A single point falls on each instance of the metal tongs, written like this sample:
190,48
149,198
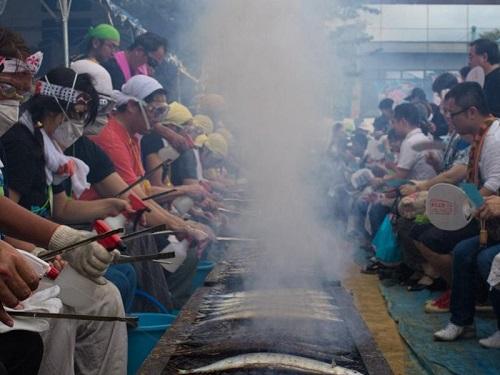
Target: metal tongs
221,239
142,258
130,320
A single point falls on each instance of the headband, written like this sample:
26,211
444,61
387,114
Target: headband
31,64
66,94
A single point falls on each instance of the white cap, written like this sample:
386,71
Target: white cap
100,76
137,88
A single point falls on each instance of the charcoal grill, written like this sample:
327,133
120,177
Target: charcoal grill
187,344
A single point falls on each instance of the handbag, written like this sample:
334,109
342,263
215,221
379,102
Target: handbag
386,244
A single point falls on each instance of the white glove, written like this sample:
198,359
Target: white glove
91,260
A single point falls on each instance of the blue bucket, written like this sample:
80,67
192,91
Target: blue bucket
142,340
202,271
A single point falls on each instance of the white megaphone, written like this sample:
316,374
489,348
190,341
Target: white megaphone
448,207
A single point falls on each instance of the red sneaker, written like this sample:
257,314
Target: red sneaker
440,304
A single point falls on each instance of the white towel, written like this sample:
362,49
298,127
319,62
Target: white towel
494,277
41,301
55,160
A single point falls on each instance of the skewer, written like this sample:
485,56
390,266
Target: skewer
141,179
141,258
154,196
144,231
33,314
52,254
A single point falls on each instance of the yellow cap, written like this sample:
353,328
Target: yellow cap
226,134
210,103
178,114
217,144
211,173
200,140
204,123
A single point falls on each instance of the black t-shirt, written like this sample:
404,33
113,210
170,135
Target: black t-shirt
492,91
25,168
184,167
100,166
117,77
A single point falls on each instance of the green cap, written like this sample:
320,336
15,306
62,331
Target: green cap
104,31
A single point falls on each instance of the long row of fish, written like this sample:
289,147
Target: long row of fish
265,304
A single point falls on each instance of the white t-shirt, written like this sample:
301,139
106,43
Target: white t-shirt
489,160
415,161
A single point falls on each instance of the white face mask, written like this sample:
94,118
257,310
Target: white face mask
68,133
9,114
95,128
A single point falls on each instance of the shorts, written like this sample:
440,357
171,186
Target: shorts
443,241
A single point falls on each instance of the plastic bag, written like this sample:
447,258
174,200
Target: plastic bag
386,244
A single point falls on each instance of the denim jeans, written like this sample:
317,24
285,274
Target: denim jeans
469,263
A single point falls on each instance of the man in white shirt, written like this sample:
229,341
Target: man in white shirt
471,116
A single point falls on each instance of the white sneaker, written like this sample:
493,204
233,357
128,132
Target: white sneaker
452,332
492,342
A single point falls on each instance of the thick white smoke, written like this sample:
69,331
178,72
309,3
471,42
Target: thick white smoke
272,61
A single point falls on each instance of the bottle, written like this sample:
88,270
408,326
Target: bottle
41,267
180,250
76,290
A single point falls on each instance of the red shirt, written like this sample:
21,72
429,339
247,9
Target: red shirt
123,149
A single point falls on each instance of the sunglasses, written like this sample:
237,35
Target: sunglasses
453,114
157,111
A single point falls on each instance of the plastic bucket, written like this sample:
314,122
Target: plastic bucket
142,340
202,271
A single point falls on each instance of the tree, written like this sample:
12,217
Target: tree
492,35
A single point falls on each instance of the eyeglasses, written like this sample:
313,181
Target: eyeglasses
111,45
157,111
453,114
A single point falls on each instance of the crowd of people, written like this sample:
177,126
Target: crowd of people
99,140
388,167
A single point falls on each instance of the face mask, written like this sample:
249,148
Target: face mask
144,115
97,126
68,132
9,114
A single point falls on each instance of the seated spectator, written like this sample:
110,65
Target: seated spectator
142,57
470,115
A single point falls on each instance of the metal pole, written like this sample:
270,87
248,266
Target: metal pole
65,6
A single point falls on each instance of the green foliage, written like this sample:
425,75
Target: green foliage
492,35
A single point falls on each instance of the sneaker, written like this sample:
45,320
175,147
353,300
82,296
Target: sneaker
452,332
492,342
440,304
